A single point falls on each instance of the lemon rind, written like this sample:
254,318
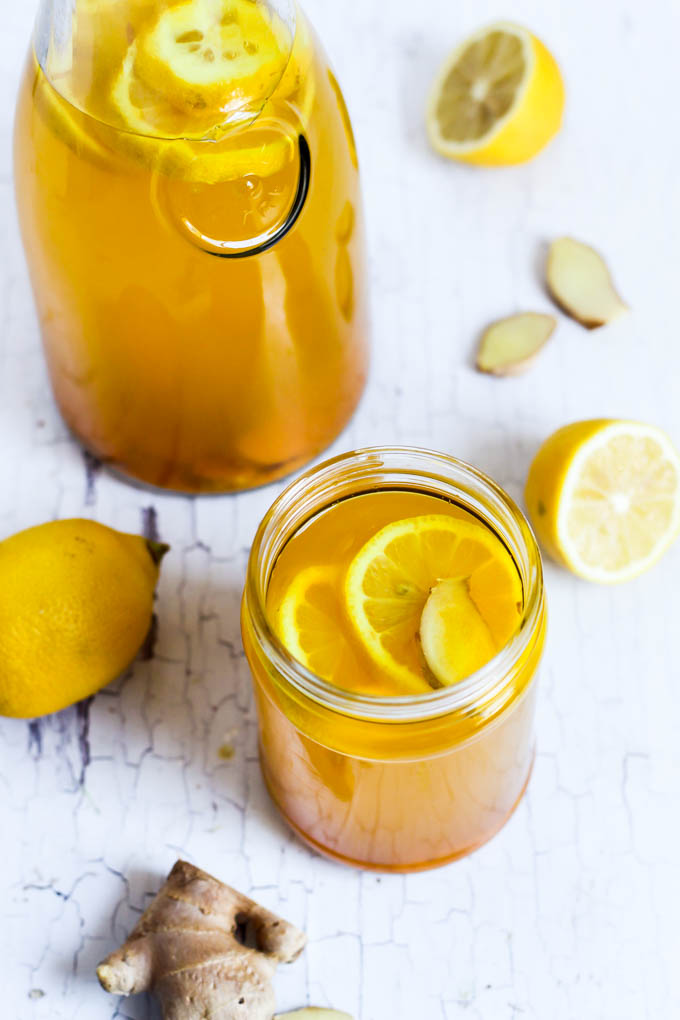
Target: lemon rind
286,625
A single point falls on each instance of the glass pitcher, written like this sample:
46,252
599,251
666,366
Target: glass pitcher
188,196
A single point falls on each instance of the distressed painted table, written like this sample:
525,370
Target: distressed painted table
572,912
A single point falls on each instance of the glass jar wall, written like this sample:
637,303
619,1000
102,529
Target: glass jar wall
397,783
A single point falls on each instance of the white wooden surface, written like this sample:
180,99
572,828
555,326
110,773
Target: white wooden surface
572,912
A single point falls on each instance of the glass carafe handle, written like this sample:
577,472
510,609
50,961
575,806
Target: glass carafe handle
224,248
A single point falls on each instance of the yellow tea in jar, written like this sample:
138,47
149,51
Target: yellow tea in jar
394,631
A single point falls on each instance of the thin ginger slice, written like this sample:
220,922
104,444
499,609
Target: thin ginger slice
509,346
580,282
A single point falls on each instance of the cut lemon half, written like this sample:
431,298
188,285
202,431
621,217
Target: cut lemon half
226,55
310,623
498,99
604,497
390,580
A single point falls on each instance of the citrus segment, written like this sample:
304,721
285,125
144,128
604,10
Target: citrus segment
497,100
604,497
390,579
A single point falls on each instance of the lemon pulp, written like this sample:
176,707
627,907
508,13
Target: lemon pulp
497,100
604,497
224,55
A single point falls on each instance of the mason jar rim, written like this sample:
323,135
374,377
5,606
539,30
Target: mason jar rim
398,468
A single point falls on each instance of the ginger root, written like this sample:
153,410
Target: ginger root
206,951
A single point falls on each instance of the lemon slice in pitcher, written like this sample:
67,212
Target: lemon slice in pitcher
391,578
69,124
226,55
179,145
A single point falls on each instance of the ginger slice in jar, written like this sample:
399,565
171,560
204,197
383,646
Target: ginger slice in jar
222,55
455,639
391,578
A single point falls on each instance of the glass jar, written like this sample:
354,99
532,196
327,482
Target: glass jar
395,783
200,287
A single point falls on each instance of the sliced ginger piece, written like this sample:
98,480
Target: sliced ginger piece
192,948
390,580
579,281
510,345
455,639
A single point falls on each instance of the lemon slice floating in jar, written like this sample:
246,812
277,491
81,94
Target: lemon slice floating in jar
604,498
498,99
435,587
225,55
309,622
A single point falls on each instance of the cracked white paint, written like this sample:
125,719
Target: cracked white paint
572,912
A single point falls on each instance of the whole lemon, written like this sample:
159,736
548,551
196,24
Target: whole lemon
76,602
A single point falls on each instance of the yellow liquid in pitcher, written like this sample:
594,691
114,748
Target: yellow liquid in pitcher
134,171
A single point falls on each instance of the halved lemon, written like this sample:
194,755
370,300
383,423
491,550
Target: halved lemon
389,583
604,497
226,55
310,623
498,99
